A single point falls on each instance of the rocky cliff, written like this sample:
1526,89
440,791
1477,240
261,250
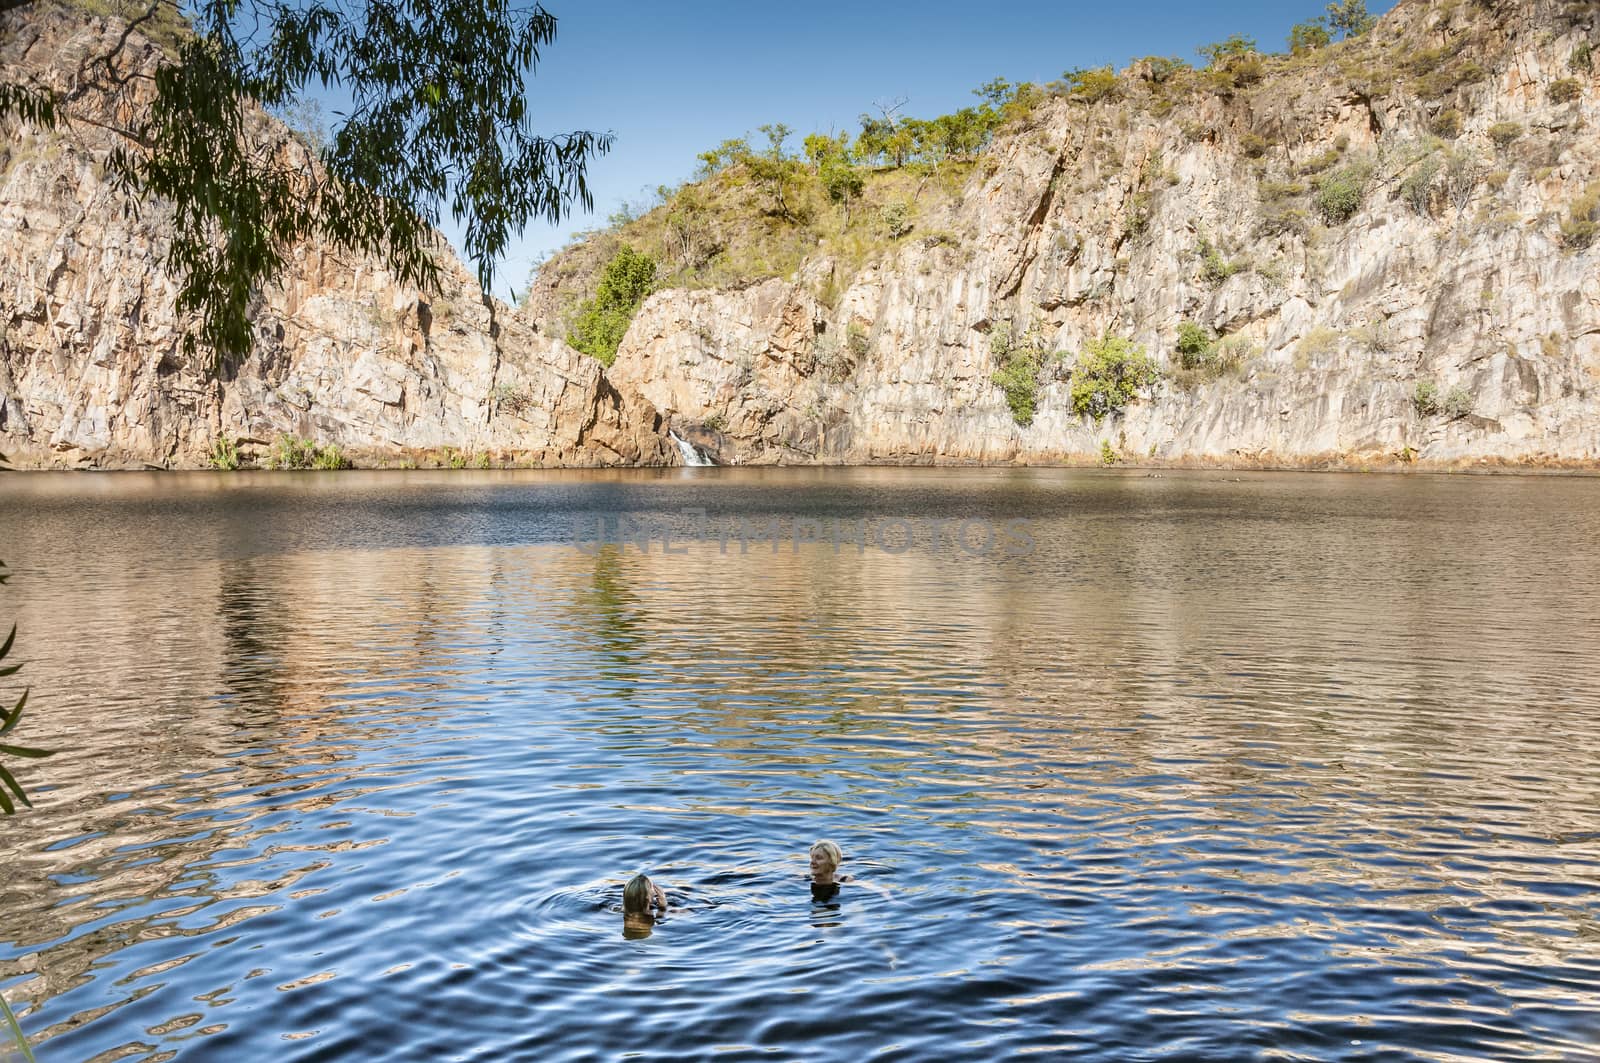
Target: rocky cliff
1383,250
91,369
1387,245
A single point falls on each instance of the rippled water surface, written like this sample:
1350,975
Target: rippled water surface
1225,766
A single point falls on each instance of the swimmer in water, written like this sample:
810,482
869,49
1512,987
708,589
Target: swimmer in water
825,860
641,896
825,879
641,899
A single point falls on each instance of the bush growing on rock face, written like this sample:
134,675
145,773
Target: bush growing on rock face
225,455
601,322
1021,362
896,219
1429,401
1341,192
1319,163
1214,269
1447,124
1504,134
1110,373
1583,220
1417,188
1565,91
1195,343
1425,398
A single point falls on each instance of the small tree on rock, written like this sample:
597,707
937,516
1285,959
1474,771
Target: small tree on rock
1350,17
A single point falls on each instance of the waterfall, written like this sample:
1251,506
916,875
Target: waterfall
691,455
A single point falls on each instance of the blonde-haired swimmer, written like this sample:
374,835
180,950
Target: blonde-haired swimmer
825,860
640,895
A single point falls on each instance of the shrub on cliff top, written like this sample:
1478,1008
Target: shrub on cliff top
1092,85
601,322
1307,37
1110,373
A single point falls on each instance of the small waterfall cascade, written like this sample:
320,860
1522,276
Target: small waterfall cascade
691,455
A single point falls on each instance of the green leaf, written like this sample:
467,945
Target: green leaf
14,715
26,753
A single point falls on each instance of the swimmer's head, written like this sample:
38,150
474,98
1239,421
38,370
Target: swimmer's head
639,895
825,858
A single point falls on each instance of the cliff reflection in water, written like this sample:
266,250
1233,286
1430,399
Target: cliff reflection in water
1315,751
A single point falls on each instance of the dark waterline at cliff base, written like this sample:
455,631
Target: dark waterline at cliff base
1222,766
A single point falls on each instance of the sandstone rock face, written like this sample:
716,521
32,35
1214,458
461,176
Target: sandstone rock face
1452,317
91,366
1453,275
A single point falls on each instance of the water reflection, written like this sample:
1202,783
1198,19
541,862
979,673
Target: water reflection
1285,763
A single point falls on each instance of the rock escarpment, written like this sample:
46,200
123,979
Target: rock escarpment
91,368
1449,311
1386,249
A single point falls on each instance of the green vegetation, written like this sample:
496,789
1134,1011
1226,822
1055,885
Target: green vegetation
292,452
1583,218
1108,455
1564,91
9,718
1232,63
509,398
1428,401
1238,46
1021,362
439,117
1505,134
1320,162
1307,37
1214,269
1201,356
1318,343
1092,85
1195,345
601,322
1582,60
896,218
1341,192
225,455
1281,210
8,722
1350,18
1110,373
1446,124
1417,187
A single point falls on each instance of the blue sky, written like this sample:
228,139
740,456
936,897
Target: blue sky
673,79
